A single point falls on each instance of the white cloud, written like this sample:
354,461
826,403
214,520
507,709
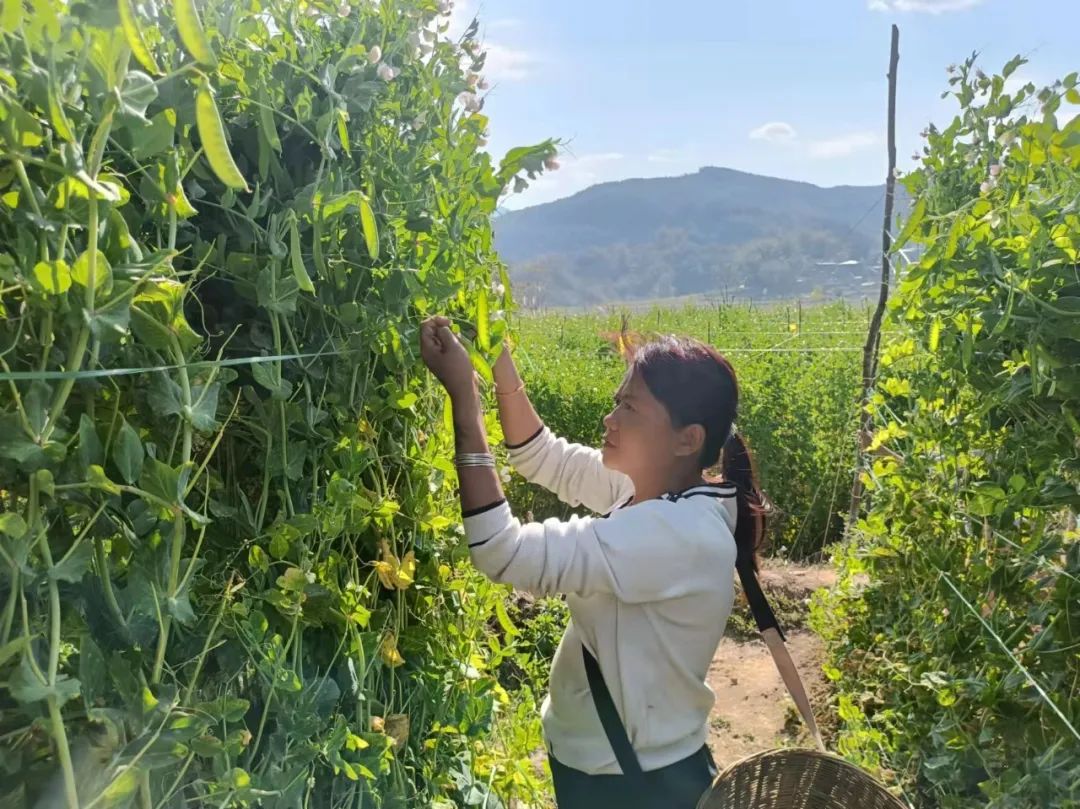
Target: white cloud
774,132
842,145
508,64
925,6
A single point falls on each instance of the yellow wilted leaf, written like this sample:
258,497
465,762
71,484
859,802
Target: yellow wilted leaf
389,653
394,573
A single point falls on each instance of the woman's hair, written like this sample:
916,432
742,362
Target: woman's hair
697,385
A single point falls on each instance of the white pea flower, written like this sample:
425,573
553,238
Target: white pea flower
417,124
504,474
483,84
498,289
986,187
472,79
470,102
386,73
482,142
310,577
344,10
1007,138
995,170
551,164
375,55
445,7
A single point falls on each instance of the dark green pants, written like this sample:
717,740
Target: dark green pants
677,786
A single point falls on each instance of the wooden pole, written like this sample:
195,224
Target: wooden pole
873,337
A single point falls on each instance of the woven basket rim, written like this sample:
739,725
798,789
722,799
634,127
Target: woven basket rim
840,763
804,752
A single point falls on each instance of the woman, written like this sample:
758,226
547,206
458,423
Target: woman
649,586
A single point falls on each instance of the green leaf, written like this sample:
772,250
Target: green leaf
161,480
25,687
97,478
72,567
11,15
915,218
54,277
80,270
36,404
371,230
277,294
128,453
139,93
238,778
267,375
203,413
112,320
504,620
257,559
154,137
90,449
180,609
164,395
279,545
93,670
13,525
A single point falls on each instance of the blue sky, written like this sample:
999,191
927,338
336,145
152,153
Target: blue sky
644,88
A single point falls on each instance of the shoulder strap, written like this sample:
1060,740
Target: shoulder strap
774,639
609,717
759,605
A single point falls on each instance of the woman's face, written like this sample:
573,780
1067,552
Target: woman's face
638,434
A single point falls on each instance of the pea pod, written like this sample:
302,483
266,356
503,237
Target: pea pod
135,39
266,120
371,231
212,133
192,34
59,119
298,268
483,333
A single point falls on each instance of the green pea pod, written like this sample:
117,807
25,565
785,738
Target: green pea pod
135,39
371,231
59,120
266,120
192,34
212,133
298,268
483,333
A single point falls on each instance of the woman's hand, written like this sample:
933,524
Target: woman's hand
446,357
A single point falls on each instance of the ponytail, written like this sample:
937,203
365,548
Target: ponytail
739,469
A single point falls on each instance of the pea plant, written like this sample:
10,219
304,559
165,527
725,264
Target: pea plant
954,634
229,569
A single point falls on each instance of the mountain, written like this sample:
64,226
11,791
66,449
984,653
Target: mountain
711,231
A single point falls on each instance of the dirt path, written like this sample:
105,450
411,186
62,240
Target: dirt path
753,710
